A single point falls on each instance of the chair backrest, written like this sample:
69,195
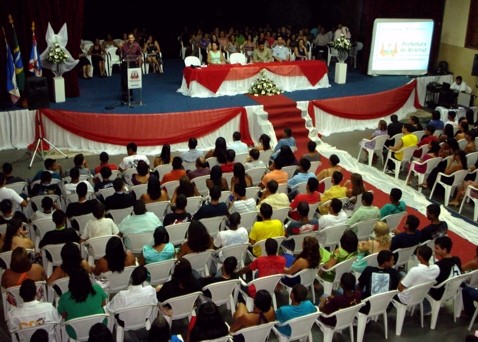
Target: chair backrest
170,187
241,158
36,201
222,292
18,187
201,184
371,259
252,191
257,332
25,334
346,316
419,134
163,169
262,244
82,220
418,292
119,214
280,214
135,242
237,57
82,325
177,232
213,224
265,156
57,288
404,255
301,187
11,295
432,163
105,193
327,181
160,271
393,220
301,327
290,169
471,158
462,143
192,60
139,190
96,246
341,268
298,239
459,177
54,251
408,153
193,204
133,318
248,219
5,258
225,197
237,251
267,283
330,236
379,302
314,165
41,227
182,306
119,281
452,286
158,208
363,229
380,141
199,261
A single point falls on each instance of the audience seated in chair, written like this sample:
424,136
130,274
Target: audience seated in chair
21,268
115,259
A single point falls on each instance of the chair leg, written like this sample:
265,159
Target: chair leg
370,157
401,310
385,324
359,153
361,324
433,190
473,319
397,170
447,195
435,310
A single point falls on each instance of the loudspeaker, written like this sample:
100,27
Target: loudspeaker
474,70
36,92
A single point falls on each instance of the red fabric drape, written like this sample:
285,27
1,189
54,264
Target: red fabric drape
366,107
147,129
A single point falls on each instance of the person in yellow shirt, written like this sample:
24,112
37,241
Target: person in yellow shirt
266,228
335,191
408,139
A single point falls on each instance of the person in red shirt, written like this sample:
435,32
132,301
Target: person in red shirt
311,196
176,173
426,139
266,265
104,161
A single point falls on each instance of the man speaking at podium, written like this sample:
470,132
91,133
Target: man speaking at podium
130,58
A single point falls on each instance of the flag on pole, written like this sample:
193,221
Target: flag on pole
34,64
17,56
12,87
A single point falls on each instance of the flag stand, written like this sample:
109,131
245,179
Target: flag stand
40,140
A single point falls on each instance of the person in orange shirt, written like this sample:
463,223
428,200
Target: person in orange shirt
176,173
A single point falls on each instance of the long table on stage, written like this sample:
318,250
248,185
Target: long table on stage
233,79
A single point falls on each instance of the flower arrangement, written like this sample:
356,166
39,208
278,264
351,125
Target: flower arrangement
264,87
342,44
56,54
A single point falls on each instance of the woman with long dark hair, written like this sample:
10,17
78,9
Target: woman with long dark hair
16,236
154,192
240,176
71,262
209,324
161,250
198,239
219,151
216,179
115,259
182,282
308,258
21,268
164,157
186,188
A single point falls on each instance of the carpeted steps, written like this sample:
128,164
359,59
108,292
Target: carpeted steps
283,112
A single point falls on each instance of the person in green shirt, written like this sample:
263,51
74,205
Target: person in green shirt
395,206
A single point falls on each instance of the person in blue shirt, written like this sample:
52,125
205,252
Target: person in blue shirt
287,140
436,120
395,206
302,175
300,306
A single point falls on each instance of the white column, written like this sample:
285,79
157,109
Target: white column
59,87
340,73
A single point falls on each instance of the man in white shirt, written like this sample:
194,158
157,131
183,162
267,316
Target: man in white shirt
131,160
253,160
192,154
460,86
137,293
32,313
6,193
141,222
342,30
420,274
237,145
241,204
280,52
70,188
335,217
100,225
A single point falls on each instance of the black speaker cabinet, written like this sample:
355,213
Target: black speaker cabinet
474,70
36,92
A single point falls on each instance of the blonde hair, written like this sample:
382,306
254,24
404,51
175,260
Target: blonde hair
382,233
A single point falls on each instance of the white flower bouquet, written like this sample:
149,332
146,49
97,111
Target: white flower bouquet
56,54
264,87
342,44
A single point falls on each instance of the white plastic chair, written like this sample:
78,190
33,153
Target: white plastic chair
379,142
82,220
201,184
105,193
160,272
407,154
237,251
25,334
119,281
134,318
139,190
314,165
5,258
265,156
404,256
193,204
158,208
18,187
170,187
128,175
200,261
192,61
327,181
458,178
430,165
248,219
112,59
471,158
378,306
419,134
56,289
307,277
301,187
452,291
363,229
267,283
95,248
119,214
135,242
213,224
354,51
330,237
177,232
257,333
468,196
345,319
237,58
393,220
163,169
224,292
417,294
11,296
280,214
241,158
82,325
182,306
338,269
41,227
212,161
252,191
298,240
332,53
54,251
301,328
262,245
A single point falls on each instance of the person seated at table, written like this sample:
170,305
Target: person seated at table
215,56
280,52
262,53
300,51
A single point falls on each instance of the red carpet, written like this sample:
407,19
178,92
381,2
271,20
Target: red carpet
283,112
